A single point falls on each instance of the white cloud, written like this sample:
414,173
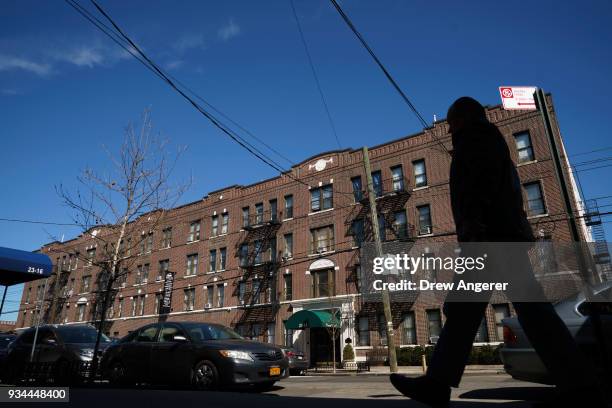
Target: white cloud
10,63
9,92
189,42
82,57
229,31
174,64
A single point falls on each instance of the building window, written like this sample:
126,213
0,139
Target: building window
189,299
212,260
255,298
224,223
220,295
134,300
273,210
259,213
501,311
357,188
382,330
245,217
210,295
241,292
420,173
270,333
397,178
91,256
321,198
287,286
424,219
158,301
164,266
400,225
141,305
120,307
322,239
222,258
28,295
289,206
166,241
194,231
364,331
288,250
377,184
288,337
142,274
357,229
258,244
244,255
434,324
192,265
85,285
149,243
535,199
81,312
408,329
214,226
523,147
323,283
481,335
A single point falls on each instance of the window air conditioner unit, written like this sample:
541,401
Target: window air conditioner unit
242,302
207,306
123,284
158,279
145,280
433,339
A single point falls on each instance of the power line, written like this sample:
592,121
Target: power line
361,39
314,74
591,151
40,222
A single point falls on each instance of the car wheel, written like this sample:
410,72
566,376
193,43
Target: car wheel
117,375
264,386
204,376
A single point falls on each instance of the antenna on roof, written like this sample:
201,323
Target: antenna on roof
435,118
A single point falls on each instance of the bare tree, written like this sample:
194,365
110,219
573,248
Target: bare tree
120,210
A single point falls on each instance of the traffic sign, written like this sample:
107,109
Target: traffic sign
518,97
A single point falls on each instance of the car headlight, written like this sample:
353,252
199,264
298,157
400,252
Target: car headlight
87,353
238,355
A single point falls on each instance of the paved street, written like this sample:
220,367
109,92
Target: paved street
318,391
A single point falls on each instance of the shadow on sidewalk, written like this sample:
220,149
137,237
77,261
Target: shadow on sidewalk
511,393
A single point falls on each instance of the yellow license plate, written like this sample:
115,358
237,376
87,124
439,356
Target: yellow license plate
274,371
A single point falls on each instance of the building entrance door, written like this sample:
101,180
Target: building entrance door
321,345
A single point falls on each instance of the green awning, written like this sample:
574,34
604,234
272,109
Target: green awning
312,318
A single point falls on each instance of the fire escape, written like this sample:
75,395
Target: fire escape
600,250
57,293
391,199
258,300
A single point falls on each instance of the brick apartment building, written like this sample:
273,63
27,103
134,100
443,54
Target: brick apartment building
250,256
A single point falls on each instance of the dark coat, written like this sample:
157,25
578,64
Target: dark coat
485,189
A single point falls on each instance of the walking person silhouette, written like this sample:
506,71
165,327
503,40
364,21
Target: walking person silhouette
487,207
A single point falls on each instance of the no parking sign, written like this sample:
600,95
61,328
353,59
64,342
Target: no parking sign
518,97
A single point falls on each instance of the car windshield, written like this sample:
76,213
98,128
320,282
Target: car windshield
80,335
201,332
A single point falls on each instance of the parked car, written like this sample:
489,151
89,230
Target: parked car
520,359
62,353
5,340
202,355
298,363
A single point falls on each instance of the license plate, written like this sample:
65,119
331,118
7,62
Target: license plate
274,371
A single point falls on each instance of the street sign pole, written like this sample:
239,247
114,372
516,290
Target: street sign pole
379,253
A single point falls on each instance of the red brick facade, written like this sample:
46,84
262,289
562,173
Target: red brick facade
338,258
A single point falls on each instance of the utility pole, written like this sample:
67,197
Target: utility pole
379,253
587,269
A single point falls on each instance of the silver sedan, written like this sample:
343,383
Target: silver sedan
520,359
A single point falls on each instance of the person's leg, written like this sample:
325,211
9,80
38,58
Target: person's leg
455,342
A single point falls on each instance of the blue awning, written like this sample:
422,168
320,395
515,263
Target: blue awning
22,266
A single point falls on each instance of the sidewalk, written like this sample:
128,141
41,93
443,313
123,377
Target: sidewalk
414,370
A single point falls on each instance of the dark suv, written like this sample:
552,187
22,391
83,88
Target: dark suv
63,353
202,355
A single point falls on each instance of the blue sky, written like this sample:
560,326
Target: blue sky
66,90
